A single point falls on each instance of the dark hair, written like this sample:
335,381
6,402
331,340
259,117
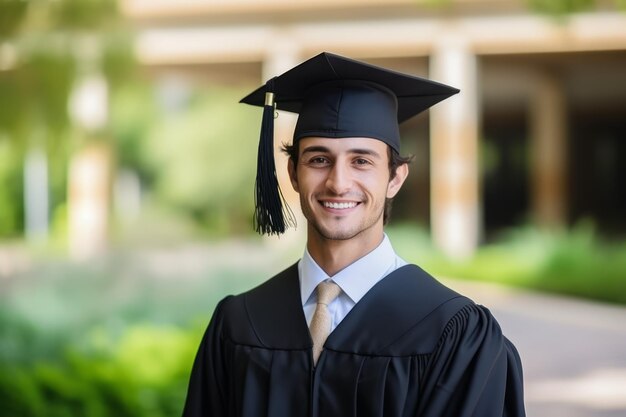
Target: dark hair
395,160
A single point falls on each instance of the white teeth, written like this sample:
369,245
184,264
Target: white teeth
339,206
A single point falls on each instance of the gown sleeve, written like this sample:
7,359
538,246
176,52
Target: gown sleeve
474,372
205,394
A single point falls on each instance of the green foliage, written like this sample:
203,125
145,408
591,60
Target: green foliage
48,79
118,59
144,374
84,14
202,165
11,198
580,265
561,7
51,44
187,152
33,98
574,262
12,104
558,8
109,338
59,38
12,14
132,113
438,3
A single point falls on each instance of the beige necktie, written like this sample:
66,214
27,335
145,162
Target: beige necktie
320,324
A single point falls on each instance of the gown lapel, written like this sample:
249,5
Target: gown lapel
396,305
275,312
399,303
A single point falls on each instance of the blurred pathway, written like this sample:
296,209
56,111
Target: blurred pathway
574,352
13,260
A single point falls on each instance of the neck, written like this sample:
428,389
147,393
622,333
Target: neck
334,255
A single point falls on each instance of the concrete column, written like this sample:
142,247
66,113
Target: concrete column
89,180
455,203
284,55
548,151
36,197
88,201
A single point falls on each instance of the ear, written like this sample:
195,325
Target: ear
396,182
293,177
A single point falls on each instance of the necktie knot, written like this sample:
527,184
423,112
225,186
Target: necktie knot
327,291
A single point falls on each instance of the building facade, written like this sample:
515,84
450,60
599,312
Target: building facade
537,135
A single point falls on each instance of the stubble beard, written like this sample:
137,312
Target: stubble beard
341,234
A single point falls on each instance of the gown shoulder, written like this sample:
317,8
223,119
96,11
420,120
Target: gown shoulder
411,346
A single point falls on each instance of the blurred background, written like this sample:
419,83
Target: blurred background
127,170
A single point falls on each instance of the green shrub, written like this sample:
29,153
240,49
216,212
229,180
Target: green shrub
143,373
107,338
574,262
11,195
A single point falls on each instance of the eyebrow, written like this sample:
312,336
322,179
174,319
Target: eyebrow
324,149
315,149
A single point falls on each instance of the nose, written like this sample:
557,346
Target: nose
338,180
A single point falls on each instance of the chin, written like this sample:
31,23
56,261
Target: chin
337,233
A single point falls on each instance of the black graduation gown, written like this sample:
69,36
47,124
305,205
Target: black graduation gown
410,347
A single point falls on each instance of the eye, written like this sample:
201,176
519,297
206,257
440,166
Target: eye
361,161
318,160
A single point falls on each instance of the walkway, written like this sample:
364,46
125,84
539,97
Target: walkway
574,352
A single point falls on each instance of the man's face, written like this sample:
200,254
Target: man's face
343,184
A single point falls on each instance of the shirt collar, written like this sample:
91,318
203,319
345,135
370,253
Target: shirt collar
355,280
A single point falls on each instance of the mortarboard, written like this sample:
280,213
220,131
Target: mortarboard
335,97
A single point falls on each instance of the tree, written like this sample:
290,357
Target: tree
46,46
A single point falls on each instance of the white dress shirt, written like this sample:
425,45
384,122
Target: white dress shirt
355,280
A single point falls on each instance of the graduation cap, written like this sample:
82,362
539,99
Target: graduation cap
336,97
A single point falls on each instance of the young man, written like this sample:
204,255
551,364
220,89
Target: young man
351,329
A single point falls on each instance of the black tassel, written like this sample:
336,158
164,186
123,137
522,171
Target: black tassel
272,214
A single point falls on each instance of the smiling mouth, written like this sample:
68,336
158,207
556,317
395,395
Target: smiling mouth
339,206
